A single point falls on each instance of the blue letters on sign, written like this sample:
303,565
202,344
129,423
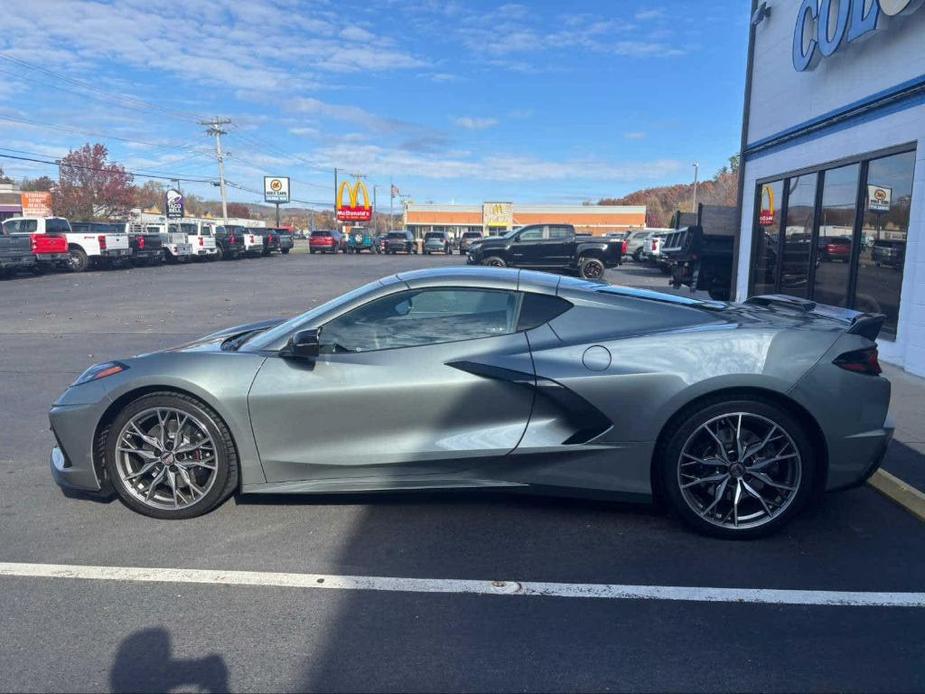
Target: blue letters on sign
824,26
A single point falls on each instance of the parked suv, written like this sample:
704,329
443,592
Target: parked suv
326,241
401,241
361,239
436,242
467,239
49,250
889,253
834,248
286,241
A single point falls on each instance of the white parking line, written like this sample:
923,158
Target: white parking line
601,591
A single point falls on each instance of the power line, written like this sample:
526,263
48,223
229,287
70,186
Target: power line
57,162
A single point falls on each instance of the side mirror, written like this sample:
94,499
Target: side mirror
304,344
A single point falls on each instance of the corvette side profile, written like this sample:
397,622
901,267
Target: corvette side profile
732,415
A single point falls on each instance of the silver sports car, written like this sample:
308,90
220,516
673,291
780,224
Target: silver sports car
734,415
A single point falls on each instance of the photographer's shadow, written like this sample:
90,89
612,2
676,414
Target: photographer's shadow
144,664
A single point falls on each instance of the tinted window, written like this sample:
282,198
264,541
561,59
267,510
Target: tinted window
798,234
884,234
767,229
397,235
472,235
535,234
422,317
11,227
29,226
434,235
836,222
536,309
57,226
559,233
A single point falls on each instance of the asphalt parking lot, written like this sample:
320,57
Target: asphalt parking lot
129,633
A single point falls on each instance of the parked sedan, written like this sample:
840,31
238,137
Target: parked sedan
495,378
833,248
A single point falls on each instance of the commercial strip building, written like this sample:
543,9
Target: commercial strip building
833,162
500,217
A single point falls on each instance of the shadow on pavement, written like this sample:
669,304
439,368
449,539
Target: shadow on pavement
907,463
144,664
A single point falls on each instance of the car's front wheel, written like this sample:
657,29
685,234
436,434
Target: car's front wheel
738,468
170,456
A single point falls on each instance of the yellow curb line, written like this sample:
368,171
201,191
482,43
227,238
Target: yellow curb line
900,492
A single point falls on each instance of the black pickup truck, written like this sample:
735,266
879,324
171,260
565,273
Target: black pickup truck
15,252
699,252
554,247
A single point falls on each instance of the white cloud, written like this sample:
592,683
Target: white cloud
645,49
473,123
636,135
644,15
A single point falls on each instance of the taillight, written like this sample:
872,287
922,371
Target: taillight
861,361
102,242
35,243
232,239
654,244
202,241
141,243
623,248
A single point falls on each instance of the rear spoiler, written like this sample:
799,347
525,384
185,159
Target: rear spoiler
859,323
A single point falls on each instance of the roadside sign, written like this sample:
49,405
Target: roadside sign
276,189
879,198
35,204
174,204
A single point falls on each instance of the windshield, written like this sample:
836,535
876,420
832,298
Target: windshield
265,340
397,235
434,235
188,228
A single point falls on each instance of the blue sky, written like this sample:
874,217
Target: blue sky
538,101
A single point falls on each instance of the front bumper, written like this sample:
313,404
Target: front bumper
71,461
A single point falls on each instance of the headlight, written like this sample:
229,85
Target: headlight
98,371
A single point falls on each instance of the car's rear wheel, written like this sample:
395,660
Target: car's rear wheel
591,268
170,456
78,261
737,469
494,261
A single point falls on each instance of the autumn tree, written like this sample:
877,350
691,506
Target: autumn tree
4,178
91,187
239,210
40,184
151,194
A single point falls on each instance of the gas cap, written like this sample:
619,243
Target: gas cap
596,358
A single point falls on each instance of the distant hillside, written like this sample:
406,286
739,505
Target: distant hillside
662,202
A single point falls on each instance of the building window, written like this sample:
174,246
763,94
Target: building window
798,234
884,232
767,231
838,254
836,232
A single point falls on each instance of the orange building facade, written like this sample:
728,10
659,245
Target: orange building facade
500,217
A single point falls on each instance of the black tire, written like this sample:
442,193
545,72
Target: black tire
494,261
637,254
591,268
79,261
285,251
683,427
227,473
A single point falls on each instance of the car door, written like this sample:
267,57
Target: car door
393,392
528,248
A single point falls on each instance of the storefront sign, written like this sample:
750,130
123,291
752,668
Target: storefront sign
354,211
36,204
498,214
766,215
824,26
879,198
174,204
276,189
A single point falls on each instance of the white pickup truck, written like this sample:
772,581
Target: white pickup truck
200,234
177,248
86,247
253,242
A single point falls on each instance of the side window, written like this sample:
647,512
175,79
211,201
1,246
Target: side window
532,234
558,233
11,227
422,317
536,309
29,226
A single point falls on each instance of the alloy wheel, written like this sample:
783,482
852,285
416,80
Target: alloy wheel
739,470
166,458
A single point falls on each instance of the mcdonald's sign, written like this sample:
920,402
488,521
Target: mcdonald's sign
766,216
354,212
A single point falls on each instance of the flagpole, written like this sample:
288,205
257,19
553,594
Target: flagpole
391,204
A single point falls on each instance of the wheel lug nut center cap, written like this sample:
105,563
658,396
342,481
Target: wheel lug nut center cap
737,470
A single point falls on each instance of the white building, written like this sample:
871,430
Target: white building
833,162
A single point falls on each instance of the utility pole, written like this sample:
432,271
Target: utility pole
214,127
375,209
694,202
391,203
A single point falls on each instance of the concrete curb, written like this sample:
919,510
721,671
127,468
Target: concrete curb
899,492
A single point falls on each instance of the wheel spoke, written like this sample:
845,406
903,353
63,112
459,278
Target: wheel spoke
143,470
158,478
717,496
739,449
758,447
188,481
140,452
762,464
758,496
694,460
707,480
737,496
771,483
150,440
